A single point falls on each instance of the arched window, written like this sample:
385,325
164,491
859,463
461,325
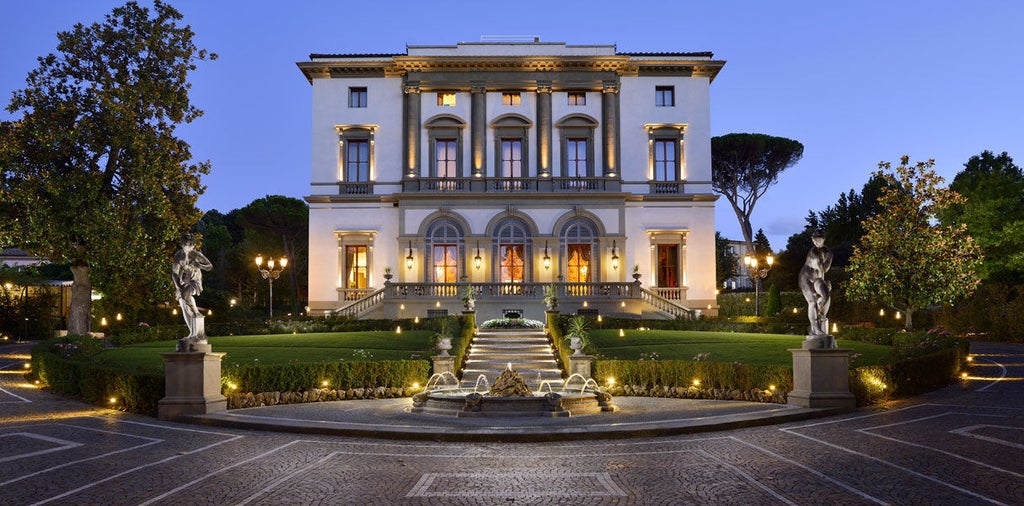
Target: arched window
512,240
579,237
444,239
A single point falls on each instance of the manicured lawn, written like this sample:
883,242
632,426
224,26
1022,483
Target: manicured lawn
284,348
723,347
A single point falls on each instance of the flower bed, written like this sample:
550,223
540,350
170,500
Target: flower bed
512,323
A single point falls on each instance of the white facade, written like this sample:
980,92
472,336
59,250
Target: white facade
577,153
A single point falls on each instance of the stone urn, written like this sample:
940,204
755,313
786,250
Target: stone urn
443,345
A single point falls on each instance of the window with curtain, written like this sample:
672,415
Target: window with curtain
576,158
446,158
512,263
668,265
578,263
355,267
446,263
511,158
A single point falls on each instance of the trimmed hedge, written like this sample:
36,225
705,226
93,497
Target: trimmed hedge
134,392
682,373
339,375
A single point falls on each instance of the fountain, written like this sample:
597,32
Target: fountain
509,395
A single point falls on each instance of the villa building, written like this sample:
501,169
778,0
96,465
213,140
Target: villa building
506,167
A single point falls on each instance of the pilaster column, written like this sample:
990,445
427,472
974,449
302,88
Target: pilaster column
544,129
478,129
610,128
411,130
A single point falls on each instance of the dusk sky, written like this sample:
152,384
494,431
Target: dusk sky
855,82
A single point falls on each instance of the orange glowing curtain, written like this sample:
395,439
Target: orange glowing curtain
668,265
512,263
579,263
446,263
355,260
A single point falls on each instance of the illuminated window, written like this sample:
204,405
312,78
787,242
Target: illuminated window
665,160
511,239
511,158
665,96
357,161
355,267
511,99
446,99
579,237
578,263
357,97
577,98
446,263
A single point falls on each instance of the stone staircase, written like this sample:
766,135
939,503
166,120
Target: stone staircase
527,349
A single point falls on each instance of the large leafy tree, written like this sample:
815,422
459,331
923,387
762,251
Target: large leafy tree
744,166
279,226
906,260
993,213
93,174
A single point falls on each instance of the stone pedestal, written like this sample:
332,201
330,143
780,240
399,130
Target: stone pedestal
192,385
444,364
821,379
580,364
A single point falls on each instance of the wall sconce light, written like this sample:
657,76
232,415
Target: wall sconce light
547,257
615,257
477,261
409,258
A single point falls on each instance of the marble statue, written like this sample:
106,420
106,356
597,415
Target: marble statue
187,276
814,286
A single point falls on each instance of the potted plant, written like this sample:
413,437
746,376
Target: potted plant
576,334
442,340
387,274
469,298
636,272
551,296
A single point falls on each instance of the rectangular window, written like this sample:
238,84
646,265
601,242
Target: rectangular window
512,263
355,267
511,158
357,161
664,160
511,99
445,164
357,97
446,99
577,98
664,96
668,265
576,158
578,263
446,263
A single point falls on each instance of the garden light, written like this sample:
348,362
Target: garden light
771,387
325,383
103,321
398,329
696,382
611,382
28,365
118,317
970,359
622,333
881,312
113,400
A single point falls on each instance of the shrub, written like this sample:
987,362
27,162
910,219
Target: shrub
135,392
774,305
339,375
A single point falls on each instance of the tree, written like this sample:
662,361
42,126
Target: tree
993,213
744,166
906,260
279,226
95,175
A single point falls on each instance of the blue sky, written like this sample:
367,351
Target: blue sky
855,82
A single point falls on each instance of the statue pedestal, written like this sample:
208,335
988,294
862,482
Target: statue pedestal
192,385
444,364
821,379
580,364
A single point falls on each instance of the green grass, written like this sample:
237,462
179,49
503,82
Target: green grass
765,349
283,349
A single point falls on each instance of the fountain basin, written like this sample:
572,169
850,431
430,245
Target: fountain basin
467,403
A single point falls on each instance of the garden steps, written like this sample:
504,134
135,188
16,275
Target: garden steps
529,351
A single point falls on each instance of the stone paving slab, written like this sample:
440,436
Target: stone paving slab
390,419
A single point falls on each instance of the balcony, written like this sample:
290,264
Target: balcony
512,184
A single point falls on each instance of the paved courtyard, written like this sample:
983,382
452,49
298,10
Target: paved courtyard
960,445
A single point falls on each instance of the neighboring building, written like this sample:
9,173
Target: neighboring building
17,257
509,166
741,279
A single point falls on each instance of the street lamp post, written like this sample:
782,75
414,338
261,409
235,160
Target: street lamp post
270,273
758,270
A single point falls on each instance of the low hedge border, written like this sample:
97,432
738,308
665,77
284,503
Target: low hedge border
870,384
131,391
